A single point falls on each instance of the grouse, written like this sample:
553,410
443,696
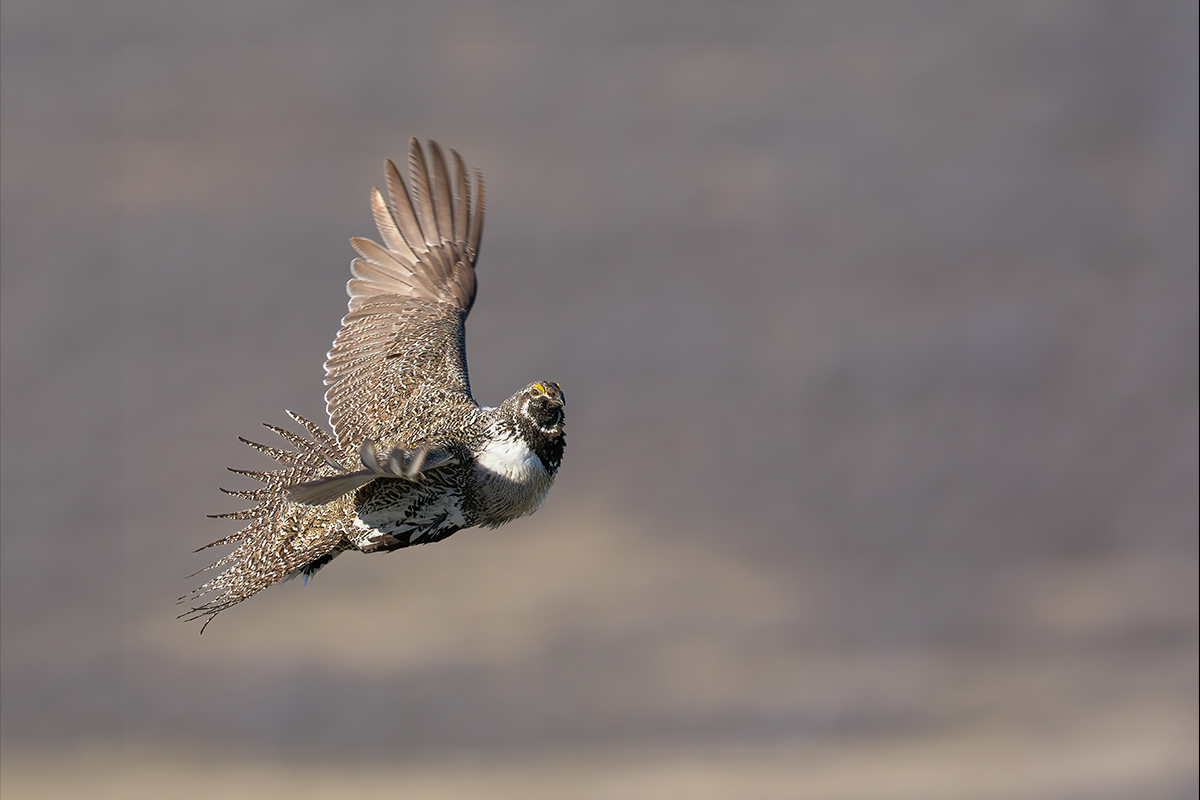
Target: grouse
412,458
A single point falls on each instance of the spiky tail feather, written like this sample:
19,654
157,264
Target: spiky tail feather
282,536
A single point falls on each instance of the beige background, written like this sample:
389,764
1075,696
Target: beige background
878,324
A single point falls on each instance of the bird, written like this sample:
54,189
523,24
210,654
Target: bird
412,458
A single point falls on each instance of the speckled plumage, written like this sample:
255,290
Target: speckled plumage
413,457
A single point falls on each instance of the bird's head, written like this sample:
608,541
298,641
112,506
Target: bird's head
537,413
541,403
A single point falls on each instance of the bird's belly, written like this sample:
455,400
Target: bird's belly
408,513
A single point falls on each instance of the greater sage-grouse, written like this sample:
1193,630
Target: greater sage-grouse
413,458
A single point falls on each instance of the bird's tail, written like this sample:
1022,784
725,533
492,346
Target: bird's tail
282,537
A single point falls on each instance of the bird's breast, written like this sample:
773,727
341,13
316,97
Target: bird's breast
510,480
508,457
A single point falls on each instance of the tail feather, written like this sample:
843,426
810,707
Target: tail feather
262,477
246,494
249,513
306,446
282,536
319,435
289,458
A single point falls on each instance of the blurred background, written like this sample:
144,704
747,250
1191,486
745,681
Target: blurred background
878,324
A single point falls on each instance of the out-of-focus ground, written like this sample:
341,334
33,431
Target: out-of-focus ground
878,324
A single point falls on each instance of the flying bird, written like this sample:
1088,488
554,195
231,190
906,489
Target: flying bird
412,458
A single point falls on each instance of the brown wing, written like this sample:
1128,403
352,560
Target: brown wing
409,298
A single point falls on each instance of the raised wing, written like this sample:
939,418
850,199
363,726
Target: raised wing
409,298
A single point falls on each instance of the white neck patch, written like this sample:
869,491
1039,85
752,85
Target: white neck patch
510,457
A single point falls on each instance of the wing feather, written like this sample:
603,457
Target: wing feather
443,203
369,278
476,227
409,298
435,262
462,209
389,229
419,177
406,219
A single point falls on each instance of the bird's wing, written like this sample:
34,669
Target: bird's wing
409,298
408,463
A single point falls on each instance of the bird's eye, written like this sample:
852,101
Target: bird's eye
537,390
